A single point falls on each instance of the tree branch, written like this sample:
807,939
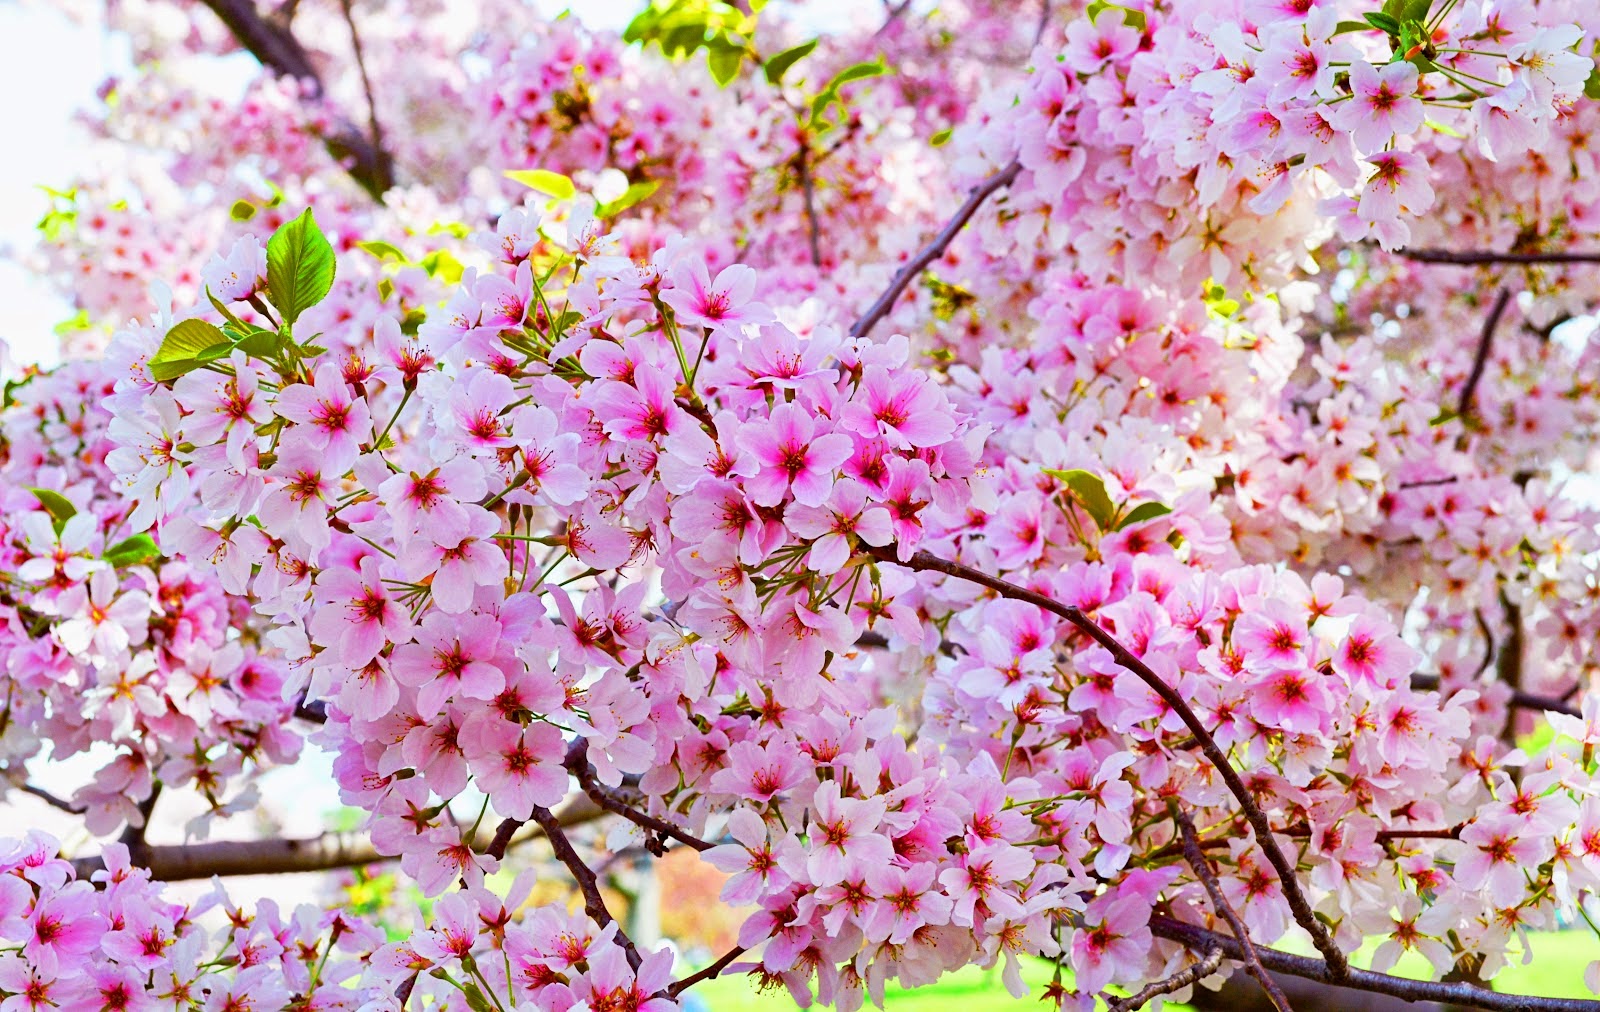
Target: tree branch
181,862
374,126
1519,698
1481,358
935,249
1182,979
1292,894
706,974
51,799
594,904
1219,903
577,763
808,190
274,45
1200,939
1471,257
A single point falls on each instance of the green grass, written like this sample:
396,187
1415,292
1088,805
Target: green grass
1556,972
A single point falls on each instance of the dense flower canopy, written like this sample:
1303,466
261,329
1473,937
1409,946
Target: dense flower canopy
1101,485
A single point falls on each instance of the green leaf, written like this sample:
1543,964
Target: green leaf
724,61
1407,10
552,184
257,342
56,505
1130,17
215,352
779,64
242,210
1382,22
132,551
941,138
1346,27
382,250
856,72
633,195
300,267
1142,512
1444,416
1089,492
180,349
442,265
1591,87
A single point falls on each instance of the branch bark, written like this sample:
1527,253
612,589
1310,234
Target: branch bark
1219,903
1337,965
935,249
1481,357
577,764
1182,979
1200,939
273,44
1474,257
181,862
594,904
707,973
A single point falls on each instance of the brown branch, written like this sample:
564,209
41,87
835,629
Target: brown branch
1200,939
1481,358
706,974
935,249
1292,894
1519,698
181,862
51,800
1177,982
275,46
1219,903
808,190
577,764
594,904
502,838
374,126
1471,257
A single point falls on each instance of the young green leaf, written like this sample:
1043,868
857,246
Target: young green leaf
551,184
300,266
382,250
180,349
724,60
56,505
633,195
1090,493
132,551
1142,512
779,64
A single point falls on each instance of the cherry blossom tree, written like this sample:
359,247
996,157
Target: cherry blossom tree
1103,485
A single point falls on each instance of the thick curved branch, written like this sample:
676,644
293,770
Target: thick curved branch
935,249
272,43
1292,894
594,904
51,800
577,764
1201,940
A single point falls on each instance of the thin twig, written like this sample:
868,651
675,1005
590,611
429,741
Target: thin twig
706,974
1519,698
1219,903
1200,939
594,904
1338,965
1470,257
272,43
808,190
935,249
51,800
1177,982
577,763
1481,357
366,81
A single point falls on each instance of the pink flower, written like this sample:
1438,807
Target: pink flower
239,275
1272,637
517,767
979,883
356,617
718,304
103,624
1493,854
459,561
451,657
645,409
903,407
433,500
549,458
1399,183
306,480
752,861
845,517
906,900
63,927
1115,947
1373,654
333,420
612,984
1383,103
792,457
844,830
759,772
